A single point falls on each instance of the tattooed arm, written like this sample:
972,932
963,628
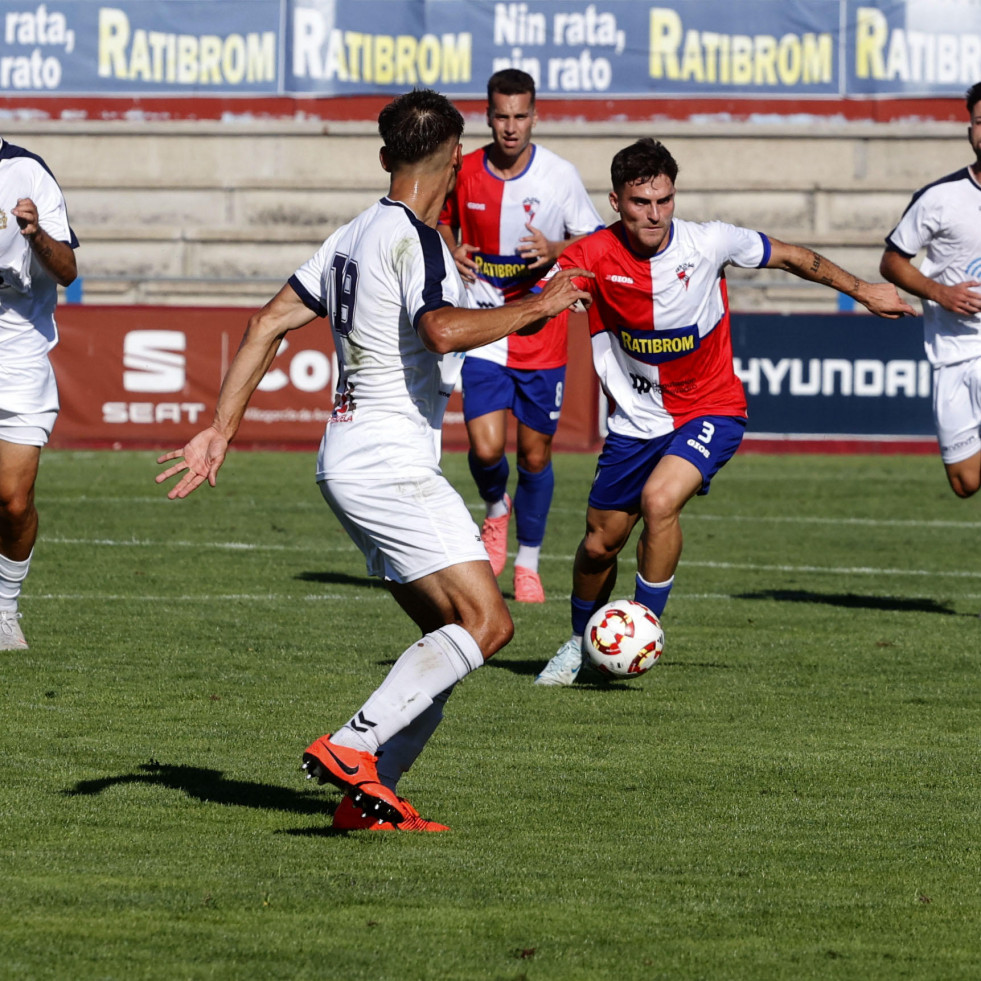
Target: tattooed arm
879,298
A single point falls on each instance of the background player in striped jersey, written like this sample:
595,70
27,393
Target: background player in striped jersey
515,207
659,326
37,255
945,218
391,292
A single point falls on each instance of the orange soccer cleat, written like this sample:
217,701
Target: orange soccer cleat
494,535
350,817
353,771
527,586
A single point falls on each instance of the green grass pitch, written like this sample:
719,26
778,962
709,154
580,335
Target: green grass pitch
794,792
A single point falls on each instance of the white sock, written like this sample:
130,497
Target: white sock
12,576
527,556
428,667
498,509
397,755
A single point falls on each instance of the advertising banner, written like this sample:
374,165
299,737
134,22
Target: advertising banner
766,49
128,47
134,377
834,376
148,377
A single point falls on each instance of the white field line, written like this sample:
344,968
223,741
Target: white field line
864,522
183,543
477,507
678,595
321,548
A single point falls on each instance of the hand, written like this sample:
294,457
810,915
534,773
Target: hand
466,265
201,458
26,213
960,298
562,293
536,247
883,300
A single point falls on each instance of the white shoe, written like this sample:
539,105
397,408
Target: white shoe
11,636
564,666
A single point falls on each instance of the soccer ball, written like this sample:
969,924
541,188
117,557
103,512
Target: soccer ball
623,639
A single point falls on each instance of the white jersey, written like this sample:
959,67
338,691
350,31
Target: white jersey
945,218
28,295
374,278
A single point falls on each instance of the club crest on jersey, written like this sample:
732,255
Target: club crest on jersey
683,272
3,219
658,346
531,206
344,406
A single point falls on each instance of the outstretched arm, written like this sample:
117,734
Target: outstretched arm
879,298
456,329
204,454
960,298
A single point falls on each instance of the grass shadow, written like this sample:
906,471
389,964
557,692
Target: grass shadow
341,579
591,680
210,787
854,601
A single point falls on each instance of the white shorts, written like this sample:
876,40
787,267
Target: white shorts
406,528
957,409
28,428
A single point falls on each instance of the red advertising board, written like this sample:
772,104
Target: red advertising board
139,377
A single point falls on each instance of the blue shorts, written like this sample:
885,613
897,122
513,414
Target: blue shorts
535,397
625,463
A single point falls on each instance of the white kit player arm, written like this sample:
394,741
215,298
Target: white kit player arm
454,329
204,454
920,225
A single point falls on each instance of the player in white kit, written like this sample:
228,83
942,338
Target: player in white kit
945,219
389,287
36,257
515,207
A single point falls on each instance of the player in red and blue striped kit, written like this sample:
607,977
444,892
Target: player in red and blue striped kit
515,207
659,328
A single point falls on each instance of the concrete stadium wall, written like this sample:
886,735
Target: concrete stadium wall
222,213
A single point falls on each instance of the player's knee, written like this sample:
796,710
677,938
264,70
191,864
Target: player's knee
597,553
492,628
487,457
659,505
535,460
16,506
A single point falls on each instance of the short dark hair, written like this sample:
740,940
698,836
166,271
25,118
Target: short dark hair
414,125
642,161
510,81
973,96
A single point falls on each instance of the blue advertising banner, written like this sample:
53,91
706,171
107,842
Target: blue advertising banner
139,47
912,47
834,375
774,49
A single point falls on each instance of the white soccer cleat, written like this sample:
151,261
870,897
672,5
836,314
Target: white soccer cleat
564,666
11,636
